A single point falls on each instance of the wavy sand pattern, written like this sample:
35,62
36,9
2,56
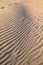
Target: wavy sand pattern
21,32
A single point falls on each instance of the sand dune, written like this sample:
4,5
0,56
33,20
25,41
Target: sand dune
21,32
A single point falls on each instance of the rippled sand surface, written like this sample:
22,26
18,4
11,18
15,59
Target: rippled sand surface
19,21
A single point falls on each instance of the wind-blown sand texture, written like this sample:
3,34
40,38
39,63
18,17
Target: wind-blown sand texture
21,32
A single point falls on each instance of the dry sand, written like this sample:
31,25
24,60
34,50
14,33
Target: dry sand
35,13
